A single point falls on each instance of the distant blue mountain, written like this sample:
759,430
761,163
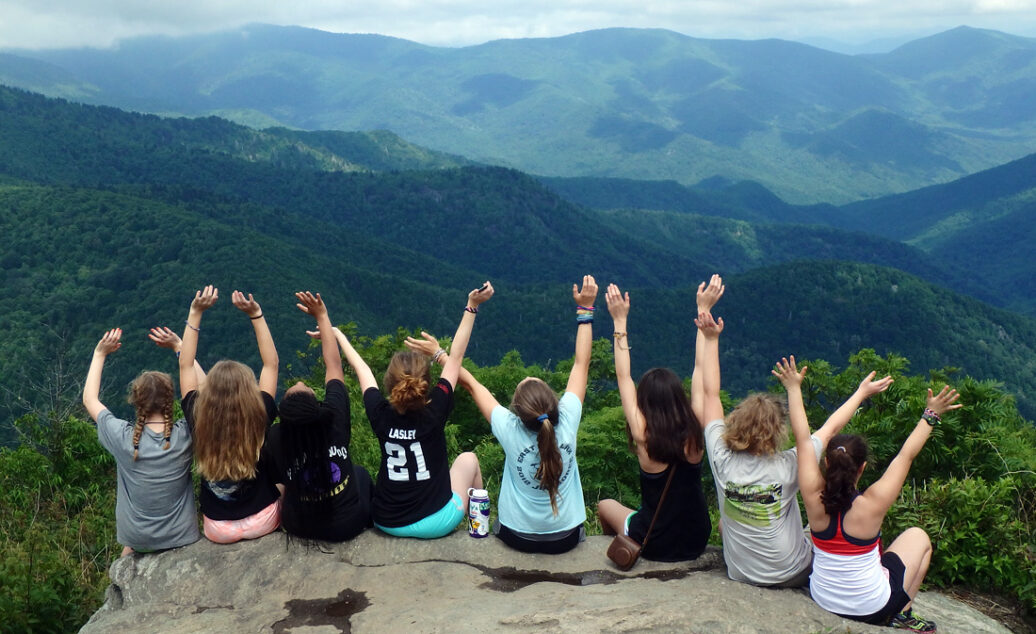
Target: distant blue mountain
808,124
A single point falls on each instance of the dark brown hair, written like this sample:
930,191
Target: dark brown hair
407,381
845,454
671,428
532,399
151,393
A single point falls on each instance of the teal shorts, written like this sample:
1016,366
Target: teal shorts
438,524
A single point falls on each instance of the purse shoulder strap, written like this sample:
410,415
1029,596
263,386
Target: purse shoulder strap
672,472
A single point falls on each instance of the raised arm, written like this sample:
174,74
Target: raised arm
203,300
451,369
884,492
353,358
841,416
166,338
313,305
267,351
709,330
108,344
619,308
810,480
429,346
584,298
706,298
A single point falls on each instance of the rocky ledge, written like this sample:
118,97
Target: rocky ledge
377,583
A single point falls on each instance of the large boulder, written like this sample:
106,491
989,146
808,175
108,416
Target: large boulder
377,583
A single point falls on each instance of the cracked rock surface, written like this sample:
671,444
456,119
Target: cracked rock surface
377,583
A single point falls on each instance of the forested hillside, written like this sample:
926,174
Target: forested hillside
114,219
975,232
809,124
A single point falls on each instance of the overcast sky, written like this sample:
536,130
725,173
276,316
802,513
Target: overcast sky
60,23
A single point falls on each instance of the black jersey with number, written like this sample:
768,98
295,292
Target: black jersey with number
414,478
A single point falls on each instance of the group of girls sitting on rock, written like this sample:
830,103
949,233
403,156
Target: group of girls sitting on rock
298,474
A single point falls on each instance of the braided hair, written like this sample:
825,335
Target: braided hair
151,393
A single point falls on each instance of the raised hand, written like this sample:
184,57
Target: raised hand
247,305
109,343
480,295
788,374
205,298
869,387
944,401
165,338
587,295
310,304
427,345
708,295
709,326
618,304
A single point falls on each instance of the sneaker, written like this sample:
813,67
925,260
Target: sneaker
907,621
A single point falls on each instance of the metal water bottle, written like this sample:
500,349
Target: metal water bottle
478,512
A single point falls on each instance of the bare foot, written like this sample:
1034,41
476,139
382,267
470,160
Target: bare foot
126,550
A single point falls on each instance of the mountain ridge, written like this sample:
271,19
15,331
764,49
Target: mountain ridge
633,103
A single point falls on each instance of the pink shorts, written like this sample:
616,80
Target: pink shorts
262,523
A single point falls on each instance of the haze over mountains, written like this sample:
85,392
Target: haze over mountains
809,124
112,218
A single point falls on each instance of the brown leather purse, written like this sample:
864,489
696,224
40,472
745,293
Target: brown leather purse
624,550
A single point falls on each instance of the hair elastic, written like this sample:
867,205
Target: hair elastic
841,448
542,417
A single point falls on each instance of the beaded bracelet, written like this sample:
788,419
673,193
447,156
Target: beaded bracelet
471,309
194,328
930,417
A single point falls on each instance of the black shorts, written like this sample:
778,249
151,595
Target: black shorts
897,599
562,544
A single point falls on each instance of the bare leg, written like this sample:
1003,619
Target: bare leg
465,474
915,549
613,516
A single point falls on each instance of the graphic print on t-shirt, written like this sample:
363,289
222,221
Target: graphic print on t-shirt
753,504
226,490
397,462
528,462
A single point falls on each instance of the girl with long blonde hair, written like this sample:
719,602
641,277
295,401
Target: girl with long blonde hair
230,415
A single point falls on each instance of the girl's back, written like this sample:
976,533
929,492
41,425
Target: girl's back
414,478
154,507
524,505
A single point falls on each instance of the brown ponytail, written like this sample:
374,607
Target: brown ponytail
407,381
537,407
845,454
150,393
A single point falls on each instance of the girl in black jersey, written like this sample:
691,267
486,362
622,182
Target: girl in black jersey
326,495
418,493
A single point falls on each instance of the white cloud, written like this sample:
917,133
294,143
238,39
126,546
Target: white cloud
53,23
